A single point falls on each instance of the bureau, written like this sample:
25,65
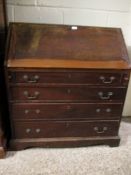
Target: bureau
66,85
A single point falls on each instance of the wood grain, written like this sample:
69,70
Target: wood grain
58,46
47,63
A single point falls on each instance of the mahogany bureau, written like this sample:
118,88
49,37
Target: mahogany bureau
66,85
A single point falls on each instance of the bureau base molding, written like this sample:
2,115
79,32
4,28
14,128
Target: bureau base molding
19,144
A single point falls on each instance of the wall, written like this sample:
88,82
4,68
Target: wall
106,13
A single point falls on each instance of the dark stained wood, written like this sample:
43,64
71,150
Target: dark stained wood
51,129
67,94
66,88
64,111
68,77
19,144
49,46
47,63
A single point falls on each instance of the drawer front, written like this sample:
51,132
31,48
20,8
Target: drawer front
70,93
45,129
96,78
65,111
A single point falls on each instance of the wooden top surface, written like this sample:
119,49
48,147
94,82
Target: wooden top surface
59,46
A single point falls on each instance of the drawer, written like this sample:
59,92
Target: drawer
55,111
44,129
67,93
96,78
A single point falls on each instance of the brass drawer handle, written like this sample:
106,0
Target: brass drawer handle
37,111
28,130
38,130
107,81
98,110
126,78
108,110
28,96
101,95
100,130
33,79
26,111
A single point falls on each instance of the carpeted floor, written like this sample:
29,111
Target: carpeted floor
96,160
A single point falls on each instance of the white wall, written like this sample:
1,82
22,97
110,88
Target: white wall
107,13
